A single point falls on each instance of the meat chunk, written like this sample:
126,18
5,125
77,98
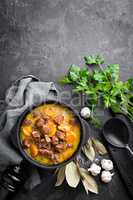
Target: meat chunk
40,122
59,119
56,158
44,116
46,129
55,140
36,136
42,143
50,154
27,122
60,147
47,138
49,128
73,122
35,113
46,152
61,135
27,142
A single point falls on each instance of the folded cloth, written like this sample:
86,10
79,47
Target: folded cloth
23,93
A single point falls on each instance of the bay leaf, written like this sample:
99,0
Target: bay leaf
81,169
89,142
89,182
88,150
56,171
72,175
85,184
99,147
60,176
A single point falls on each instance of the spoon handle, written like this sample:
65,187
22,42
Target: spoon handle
129,149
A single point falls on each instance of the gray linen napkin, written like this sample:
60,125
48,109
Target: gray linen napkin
25,92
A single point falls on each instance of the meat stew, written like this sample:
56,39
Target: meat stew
50,134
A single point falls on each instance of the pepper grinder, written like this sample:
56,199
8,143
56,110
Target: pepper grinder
11,180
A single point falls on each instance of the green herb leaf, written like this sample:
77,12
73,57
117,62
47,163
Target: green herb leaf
93,60
129,84
99,60
112,72
84,73
99,76
104,84
74,73
65,80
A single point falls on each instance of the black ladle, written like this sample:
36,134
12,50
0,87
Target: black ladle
116,132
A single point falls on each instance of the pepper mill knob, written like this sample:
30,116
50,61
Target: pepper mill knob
11,179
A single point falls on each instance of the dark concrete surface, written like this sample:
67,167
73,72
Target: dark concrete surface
42,37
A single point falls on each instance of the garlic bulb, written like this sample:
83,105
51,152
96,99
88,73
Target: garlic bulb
106,176
107,164
94,169
85,112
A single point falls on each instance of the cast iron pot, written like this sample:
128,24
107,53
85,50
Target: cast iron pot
34,162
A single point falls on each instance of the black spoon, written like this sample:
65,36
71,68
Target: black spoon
116,132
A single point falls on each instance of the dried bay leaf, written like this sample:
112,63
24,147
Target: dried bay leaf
89,142
89,153
72,174
60,176
81,169
56,171
89,182
88,150
99,147
85,184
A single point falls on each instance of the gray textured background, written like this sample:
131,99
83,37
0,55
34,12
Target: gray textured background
42,37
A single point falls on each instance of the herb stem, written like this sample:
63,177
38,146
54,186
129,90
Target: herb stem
127,112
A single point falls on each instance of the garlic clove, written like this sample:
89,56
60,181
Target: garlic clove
94,169
106,176
107,164
85,112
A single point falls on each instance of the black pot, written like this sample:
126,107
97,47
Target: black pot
34,162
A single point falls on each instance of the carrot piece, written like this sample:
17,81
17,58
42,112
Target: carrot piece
49,111
70,138
34,150
27,130
52,127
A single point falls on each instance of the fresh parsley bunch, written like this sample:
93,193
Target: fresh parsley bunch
102,83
